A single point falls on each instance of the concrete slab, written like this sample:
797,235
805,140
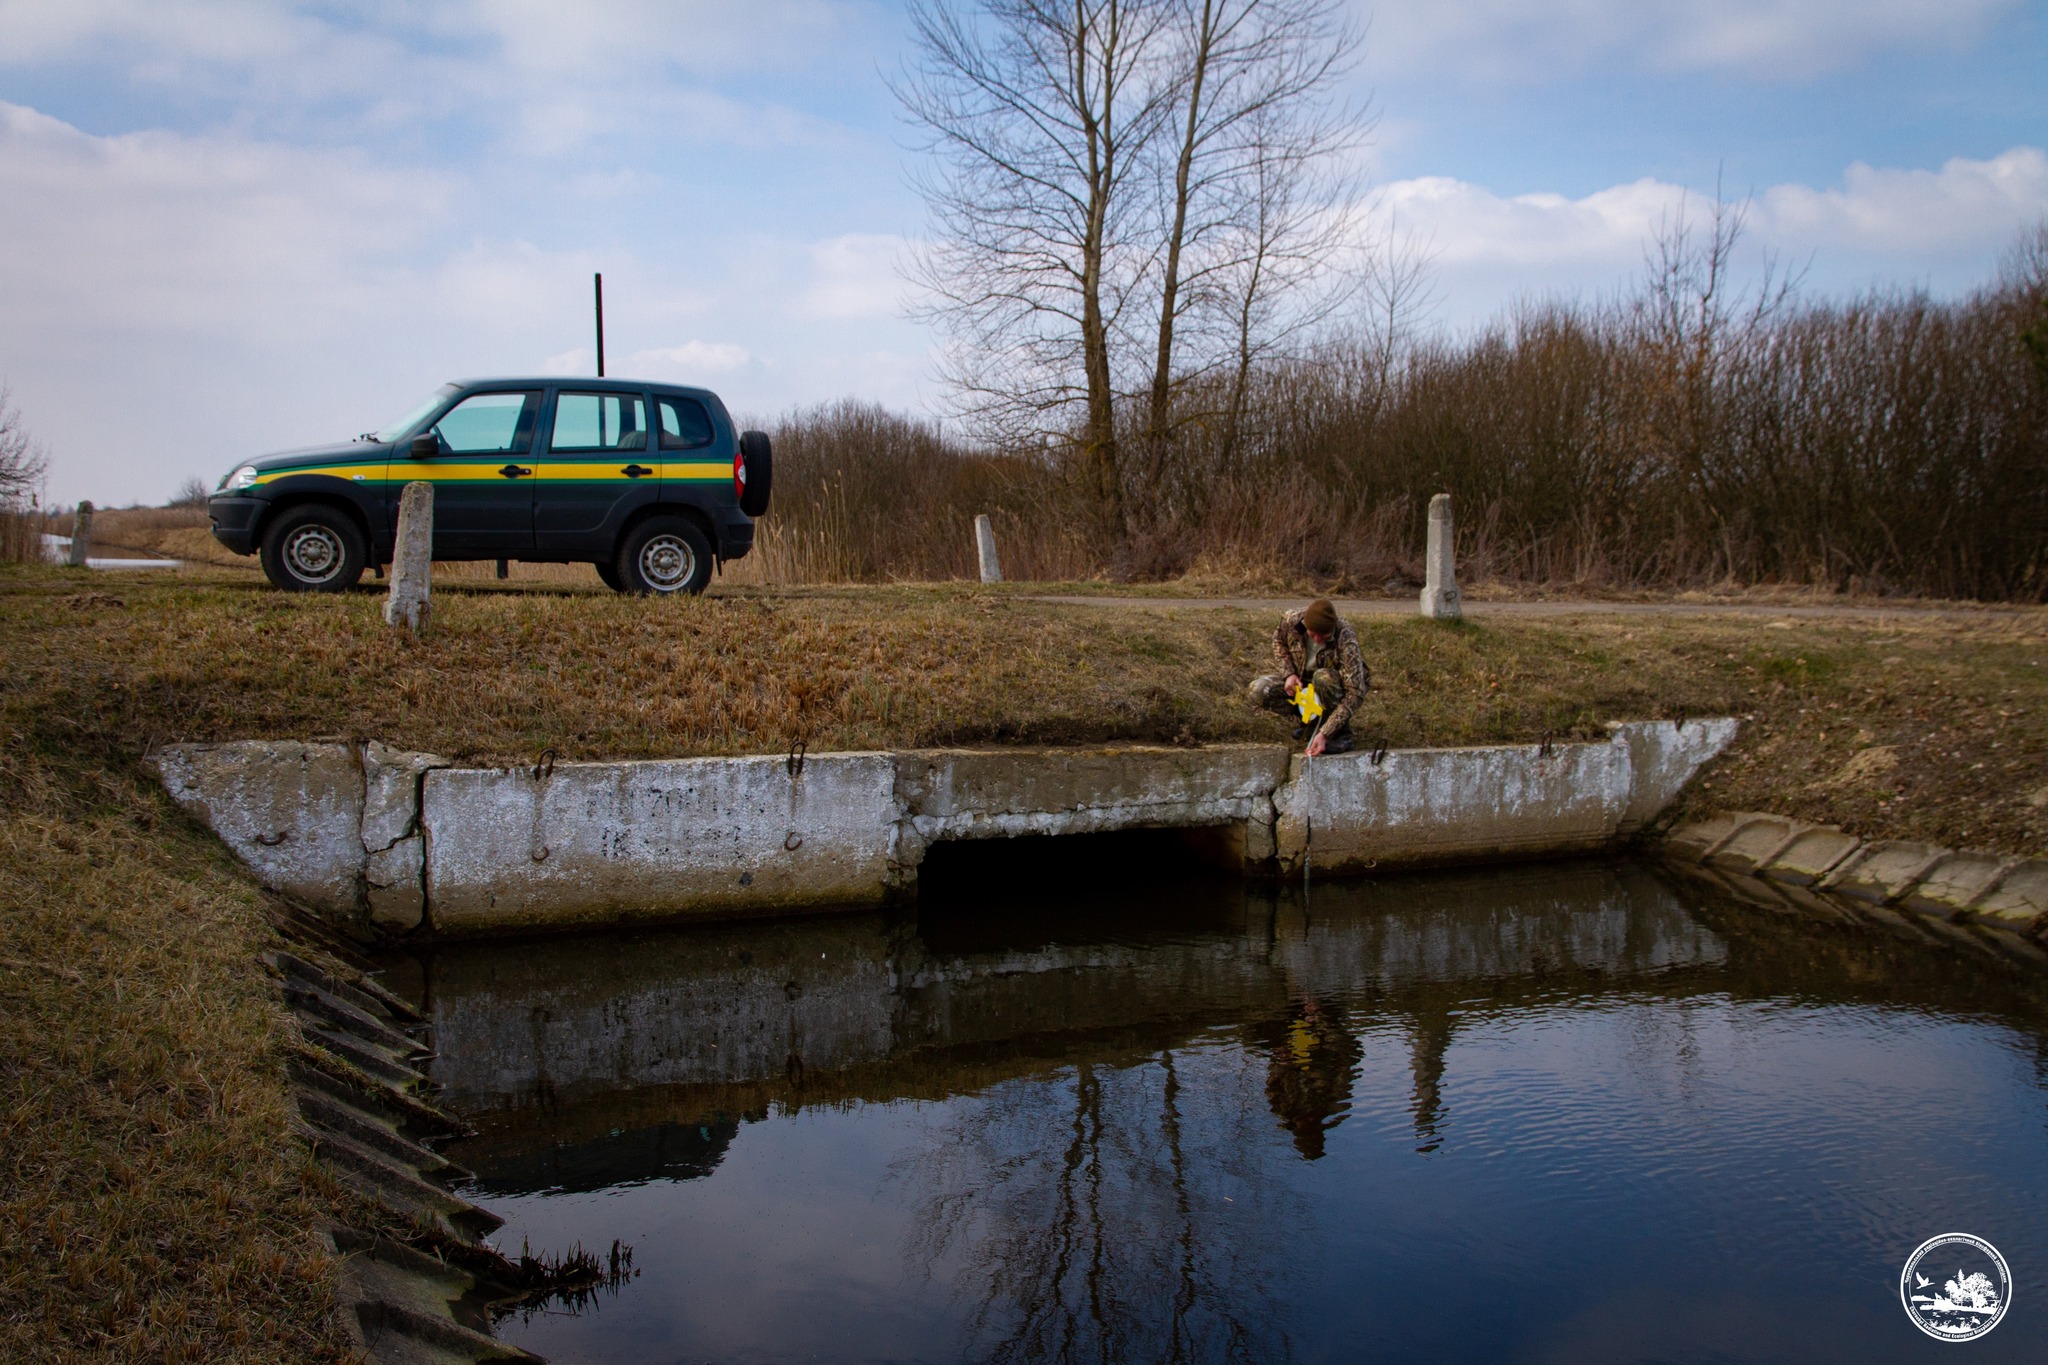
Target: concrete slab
391,793
608,842
2020,900
1692,840
1420,807
1883,872
1001,794
395,866
1754,842
395,885
1664,756
1955,882
1817,851
292,812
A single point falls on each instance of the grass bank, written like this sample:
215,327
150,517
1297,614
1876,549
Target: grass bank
1930,727
151,1208
150,1203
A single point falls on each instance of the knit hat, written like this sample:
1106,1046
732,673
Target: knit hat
1320,617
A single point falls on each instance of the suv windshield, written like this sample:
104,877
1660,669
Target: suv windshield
407,422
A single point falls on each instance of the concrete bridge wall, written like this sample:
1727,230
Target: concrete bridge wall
393,842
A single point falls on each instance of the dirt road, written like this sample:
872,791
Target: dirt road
1402,606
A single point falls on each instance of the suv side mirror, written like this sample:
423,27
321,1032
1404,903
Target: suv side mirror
426,445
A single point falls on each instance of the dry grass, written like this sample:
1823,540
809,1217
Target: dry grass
151,1205
21,536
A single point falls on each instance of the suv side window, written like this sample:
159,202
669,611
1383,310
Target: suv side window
490,424
684,423
599,421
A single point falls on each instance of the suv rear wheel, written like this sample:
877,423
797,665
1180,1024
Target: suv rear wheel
314,549
664,555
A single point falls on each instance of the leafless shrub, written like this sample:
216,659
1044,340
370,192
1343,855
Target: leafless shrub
22,467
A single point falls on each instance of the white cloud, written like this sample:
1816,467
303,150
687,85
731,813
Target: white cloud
1942,227
689,362
1491,39
857,277
546,77
1965,205
92,225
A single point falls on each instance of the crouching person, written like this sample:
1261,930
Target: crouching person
1314,648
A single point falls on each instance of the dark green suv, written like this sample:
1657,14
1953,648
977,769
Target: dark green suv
648,482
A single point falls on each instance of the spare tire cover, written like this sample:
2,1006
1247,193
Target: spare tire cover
759,460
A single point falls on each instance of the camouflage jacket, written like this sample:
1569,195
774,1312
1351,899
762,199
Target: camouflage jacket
1341,656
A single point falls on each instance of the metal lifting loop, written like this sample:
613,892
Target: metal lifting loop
1379,751
544,766
1546,748
792,841
795,761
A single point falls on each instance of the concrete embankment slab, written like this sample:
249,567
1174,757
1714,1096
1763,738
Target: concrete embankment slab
521,848
1991,900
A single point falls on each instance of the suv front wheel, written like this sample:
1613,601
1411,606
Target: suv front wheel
664,555
314,549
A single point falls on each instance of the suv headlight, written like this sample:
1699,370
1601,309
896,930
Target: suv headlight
242,478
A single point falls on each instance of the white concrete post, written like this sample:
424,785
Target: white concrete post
985,546
1440,593
412,561
81,536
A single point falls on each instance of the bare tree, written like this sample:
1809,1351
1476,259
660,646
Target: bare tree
1039,119
1102,173
22,463
1254,203
1276,287
191,493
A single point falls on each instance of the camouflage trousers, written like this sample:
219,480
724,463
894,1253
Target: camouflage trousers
1269,693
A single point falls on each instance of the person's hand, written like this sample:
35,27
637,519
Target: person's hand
1293,684
1316,745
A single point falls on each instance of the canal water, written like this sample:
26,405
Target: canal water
1075,1110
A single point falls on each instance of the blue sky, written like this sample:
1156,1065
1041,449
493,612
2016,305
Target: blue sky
234,227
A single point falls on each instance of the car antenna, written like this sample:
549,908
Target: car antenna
598,280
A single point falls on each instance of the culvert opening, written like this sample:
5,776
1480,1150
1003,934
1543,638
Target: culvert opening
1035,865
986,895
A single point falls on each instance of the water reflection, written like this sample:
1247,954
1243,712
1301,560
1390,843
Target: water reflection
555,1044
1123,1126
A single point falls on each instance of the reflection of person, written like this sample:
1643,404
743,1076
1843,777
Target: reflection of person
1315,646
1308,1073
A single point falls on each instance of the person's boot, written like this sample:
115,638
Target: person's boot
1302,732
1338,743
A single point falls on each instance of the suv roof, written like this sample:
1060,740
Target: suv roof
585,382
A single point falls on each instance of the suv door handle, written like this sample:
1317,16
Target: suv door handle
514,471
636,471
